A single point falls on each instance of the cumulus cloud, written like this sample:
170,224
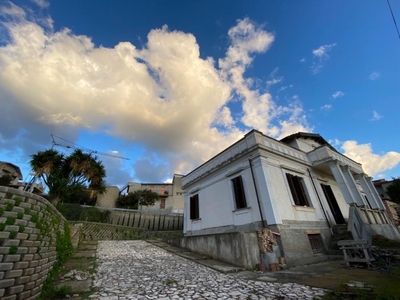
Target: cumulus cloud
374,76
320,57
372,163
375,116
337,94
163,95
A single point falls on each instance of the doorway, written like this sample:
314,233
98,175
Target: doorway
333,205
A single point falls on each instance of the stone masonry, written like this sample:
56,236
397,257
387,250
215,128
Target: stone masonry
28,236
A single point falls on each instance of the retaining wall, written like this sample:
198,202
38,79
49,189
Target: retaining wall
239,248
30,226
90,231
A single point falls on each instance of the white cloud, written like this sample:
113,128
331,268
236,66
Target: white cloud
375,116
41,3
273,78
374,76
326,107
321,56
372,163
303,59
163,96
13,11
337,94
323,50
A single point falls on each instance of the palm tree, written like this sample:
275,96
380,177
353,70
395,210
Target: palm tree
65,176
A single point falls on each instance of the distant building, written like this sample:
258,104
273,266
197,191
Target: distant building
171,194
14,171
392,208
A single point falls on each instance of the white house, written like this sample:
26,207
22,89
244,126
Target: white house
300,189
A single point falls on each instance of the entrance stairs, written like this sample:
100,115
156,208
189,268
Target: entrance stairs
340,233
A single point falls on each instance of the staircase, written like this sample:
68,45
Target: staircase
339,233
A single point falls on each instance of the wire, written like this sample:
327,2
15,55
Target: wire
394,20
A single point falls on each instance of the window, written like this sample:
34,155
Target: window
240,198
162,203
316,243
298,190
194,207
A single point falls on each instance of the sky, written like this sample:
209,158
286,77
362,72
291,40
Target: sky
169,84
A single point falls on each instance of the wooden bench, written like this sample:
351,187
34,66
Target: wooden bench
356,251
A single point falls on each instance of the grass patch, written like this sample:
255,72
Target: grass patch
384,243
384,286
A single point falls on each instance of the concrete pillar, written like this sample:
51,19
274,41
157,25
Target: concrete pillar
369,189
359,199
342,182
264,185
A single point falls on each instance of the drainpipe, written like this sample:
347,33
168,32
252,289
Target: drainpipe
320,202
255,188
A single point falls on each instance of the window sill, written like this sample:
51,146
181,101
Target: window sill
304,208
195,220
240,211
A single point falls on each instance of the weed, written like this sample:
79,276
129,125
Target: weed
9,206
13,250
12,235
20,215
10,221
170,281
17,201
21,229
54,292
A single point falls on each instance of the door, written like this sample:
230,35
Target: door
333,205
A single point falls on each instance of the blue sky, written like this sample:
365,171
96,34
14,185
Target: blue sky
169,84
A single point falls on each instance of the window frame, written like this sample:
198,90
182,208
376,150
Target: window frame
298,190
239,192
194,207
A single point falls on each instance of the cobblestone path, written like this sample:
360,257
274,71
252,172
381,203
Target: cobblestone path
139,270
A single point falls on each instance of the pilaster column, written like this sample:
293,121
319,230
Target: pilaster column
264,184
342,182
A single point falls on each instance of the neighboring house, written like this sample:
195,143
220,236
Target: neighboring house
171,194
285,198
14,171
381,186
392,208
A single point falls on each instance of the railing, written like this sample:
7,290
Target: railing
150,220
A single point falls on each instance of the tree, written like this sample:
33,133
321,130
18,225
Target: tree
136,198
5,180
69,175
393,190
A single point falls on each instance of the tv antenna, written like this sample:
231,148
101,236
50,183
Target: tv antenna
71,145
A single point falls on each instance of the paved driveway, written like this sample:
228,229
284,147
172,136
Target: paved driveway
140,270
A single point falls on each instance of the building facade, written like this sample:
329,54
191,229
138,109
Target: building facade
299,188
171,194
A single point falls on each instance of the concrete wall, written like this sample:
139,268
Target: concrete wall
239,248
109,198
27,242
294,242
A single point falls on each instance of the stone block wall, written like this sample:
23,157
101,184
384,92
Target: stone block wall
29,228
